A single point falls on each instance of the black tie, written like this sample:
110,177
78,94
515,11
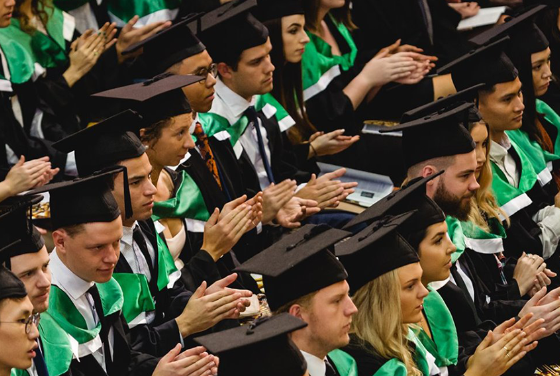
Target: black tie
251,114
461,284
330,371
104,333
40,364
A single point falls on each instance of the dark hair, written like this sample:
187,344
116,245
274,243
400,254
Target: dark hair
39,8
153,131
73,230
547,21
288,86
340,15
415,238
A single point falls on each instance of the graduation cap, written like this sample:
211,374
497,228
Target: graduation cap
10,285
168,47
441,134
260,348
156,99
230,30
106,143
376,250
18,235
466,95
200,23
487,64
82,200
525,36
404,200
273,9
298,264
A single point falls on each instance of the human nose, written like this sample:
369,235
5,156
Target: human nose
473,186
44,280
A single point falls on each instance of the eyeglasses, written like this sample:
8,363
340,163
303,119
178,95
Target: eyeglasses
204,72
32,319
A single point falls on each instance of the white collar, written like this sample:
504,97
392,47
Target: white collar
127,234
229,104
315,366
66,280
499,151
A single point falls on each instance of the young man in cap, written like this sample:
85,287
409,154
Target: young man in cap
177,315
302,277
85,300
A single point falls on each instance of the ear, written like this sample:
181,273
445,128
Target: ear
224,70
429,170
59,239
295,310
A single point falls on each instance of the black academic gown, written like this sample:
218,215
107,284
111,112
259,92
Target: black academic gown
163,334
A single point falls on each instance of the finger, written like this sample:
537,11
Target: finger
199,292
151,29
508,323
213,218
20,162
167,358
486,341
516,359
130,24
201,367
190,352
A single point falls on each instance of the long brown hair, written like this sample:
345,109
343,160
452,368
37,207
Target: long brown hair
41,8
288,85
340,15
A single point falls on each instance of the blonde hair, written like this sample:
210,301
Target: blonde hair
378,321
484,200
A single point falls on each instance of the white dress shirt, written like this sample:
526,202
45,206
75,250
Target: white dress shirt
315,366
232,106
76,289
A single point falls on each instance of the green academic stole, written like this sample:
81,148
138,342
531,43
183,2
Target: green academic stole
121,11
319,65
446,350
57,347
344,363
455,232
553,118
137,297
188,203
482,241
167,271
213,122
285,121
16,46
512,199
540,158
67,316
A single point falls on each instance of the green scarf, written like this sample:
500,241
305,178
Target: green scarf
455,232
419,353
285,121
57,347
344,363
482,241
512,199
446,350
137,297
121,11
552,117
319,65
167,271
16,46
65,313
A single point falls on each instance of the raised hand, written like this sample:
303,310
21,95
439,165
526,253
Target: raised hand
275,196
27,175
130,36
191,362
326,191
330,143
295,211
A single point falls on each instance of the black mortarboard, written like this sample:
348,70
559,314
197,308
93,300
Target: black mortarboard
525,36
106,143
200,23
487,64
82,200
441,134
298,264
273,9
168,47
230,30
398,202
10,285
376,250
156,99
260,348
18,235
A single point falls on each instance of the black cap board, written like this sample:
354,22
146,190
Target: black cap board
18,235
82,200
525,35
398,202
273,9
156,99
487,64
225,45
260,348
168,47
298,264
441,134
203,23
10,285
376,250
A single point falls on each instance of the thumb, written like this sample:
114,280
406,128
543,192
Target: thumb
172,354
538,296
486,341
130,24
383,53
225,282
214,217
199,292
313,179
20,162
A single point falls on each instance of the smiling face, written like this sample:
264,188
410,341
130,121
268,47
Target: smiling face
502,109
16,346
173,143
435,252
6,10
294,37
92,252
413,292
33,270
542,75
480,136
